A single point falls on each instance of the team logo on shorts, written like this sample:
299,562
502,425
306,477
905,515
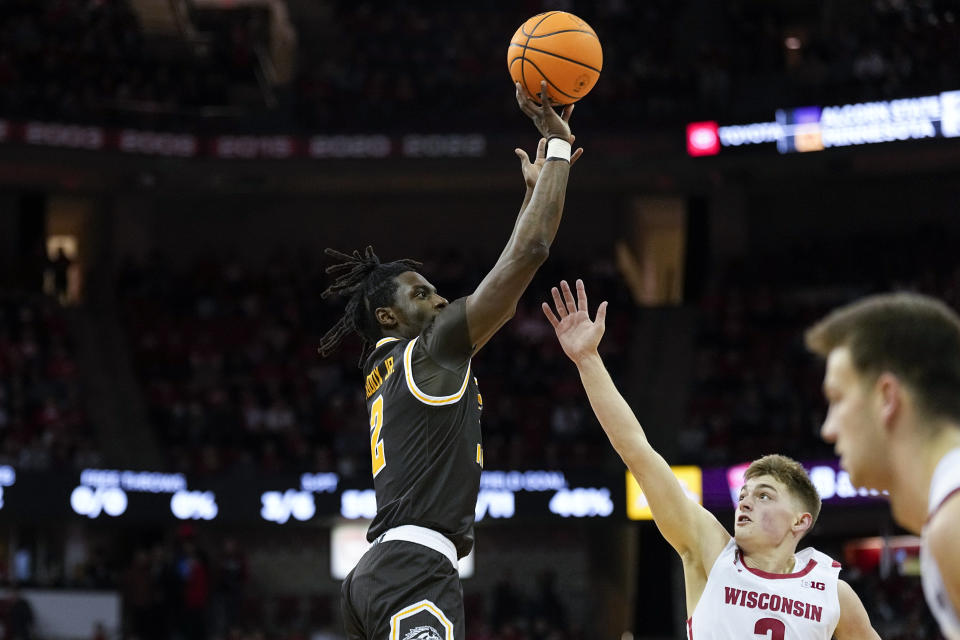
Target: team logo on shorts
421,621
423,633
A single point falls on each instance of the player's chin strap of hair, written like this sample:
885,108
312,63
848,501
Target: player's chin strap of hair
558,149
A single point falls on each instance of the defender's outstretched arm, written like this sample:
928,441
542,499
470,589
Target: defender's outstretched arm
689,528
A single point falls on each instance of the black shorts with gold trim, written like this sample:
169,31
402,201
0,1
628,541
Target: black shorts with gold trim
402,590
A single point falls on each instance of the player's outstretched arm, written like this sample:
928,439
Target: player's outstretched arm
495,299
854,623
689,528
531,172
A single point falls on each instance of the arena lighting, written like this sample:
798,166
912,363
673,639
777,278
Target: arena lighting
703,139
814,128
832,483
689,477
8,477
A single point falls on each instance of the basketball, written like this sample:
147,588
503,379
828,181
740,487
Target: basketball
560,48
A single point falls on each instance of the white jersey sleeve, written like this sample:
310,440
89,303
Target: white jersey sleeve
743,603
944,484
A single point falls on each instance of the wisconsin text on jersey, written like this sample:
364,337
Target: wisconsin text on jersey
772,602
379,375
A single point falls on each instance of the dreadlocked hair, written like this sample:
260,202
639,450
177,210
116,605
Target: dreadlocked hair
368,284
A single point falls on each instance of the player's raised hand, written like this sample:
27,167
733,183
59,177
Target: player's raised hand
578,335
548,121
531,170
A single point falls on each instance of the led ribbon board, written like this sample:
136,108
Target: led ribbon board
814,128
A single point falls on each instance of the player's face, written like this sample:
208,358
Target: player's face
766,513
852,424
416,303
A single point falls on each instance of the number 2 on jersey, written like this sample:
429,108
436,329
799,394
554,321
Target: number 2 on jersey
776,628
376,444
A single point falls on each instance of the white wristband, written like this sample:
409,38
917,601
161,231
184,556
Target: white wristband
558,149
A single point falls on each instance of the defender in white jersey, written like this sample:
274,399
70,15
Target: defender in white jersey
739,601
944,486
751,585
893,386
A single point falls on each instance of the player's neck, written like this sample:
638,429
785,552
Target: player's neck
779,560
401,333
914,465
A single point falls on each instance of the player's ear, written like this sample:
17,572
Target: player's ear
803,523
386,317
890,397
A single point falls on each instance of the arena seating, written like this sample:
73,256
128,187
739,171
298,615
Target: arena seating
394,67
227,361
43,424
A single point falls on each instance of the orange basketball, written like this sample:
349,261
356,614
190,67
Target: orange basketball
560,48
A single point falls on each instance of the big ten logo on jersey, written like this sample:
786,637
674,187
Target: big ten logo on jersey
422,621
811,584
379,375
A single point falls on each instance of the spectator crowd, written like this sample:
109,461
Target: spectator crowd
227,359
755,386
89,62
367,66
43,424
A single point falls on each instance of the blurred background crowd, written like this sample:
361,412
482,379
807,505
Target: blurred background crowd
363,66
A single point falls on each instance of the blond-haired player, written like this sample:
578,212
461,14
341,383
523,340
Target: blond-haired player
893,387
754,584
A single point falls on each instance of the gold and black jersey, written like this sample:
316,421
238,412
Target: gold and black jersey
425,445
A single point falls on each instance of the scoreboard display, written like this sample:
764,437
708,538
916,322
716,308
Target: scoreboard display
154,497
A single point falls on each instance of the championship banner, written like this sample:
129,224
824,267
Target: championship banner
242,147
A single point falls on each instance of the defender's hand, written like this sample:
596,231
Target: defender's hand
578,335
531,170
548,122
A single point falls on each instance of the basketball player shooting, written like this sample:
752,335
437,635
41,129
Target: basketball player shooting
424,404
893,387
754,584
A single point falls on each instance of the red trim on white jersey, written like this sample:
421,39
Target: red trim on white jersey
778,576
933,511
